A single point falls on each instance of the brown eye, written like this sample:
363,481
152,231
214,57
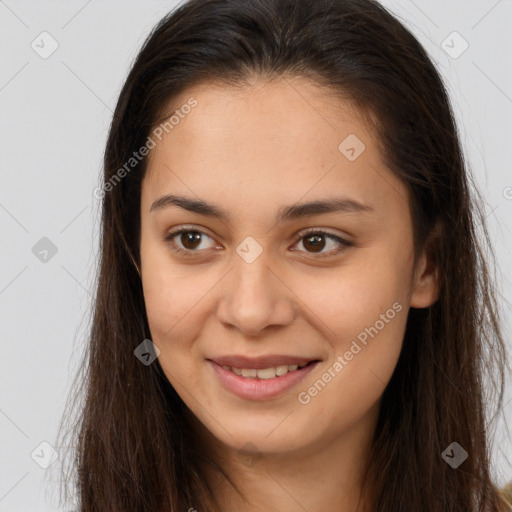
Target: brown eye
190,239
186,241
316,241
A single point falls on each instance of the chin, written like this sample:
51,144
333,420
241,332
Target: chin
261,436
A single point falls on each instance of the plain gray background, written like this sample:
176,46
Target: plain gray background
55,113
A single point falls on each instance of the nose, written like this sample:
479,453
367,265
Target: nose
256,297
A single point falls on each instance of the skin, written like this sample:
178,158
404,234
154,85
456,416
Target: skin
252,150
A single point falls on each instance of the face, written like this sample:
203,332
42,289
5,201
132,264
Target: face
262,280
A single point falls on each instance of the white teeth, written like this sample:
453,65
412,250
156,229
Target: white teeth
265,373
281,370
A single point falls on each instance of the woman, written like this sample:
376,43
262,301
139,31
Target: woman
293,309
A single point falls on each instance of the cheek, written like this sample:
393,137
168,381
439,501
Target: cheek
361,310
173,323
171,300
173,309
353,296
364,325
170,292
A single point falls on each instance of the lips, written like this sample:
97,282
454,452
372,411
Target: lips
257,378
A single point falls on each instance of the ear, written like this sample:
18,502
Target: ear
426,280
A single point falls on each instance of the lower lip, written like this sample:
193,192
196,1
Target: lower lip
260,389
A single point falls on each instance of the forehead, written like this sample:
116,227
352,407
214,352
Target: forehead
251,142
285,108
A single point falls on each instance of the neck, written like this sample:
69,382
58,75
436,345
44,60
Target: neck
323,476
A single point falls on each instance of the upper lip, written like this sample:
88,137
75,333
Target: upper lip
268,361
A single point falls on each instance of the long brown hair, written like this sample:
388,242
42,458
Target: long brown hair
131,441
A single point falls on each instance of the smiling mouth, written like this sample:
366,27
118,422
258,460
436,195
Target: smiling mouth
267,373
256,378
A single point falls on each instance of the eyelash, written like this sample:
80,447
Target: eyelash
188,252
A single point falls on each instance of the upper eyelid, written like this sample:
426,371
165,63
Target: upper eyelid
301,234
185,228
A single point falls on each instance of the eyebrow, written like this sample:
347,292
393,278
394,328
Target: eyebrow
285,213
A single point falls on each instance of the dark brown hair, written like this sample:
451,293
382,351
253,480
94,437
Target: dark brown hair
131,441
